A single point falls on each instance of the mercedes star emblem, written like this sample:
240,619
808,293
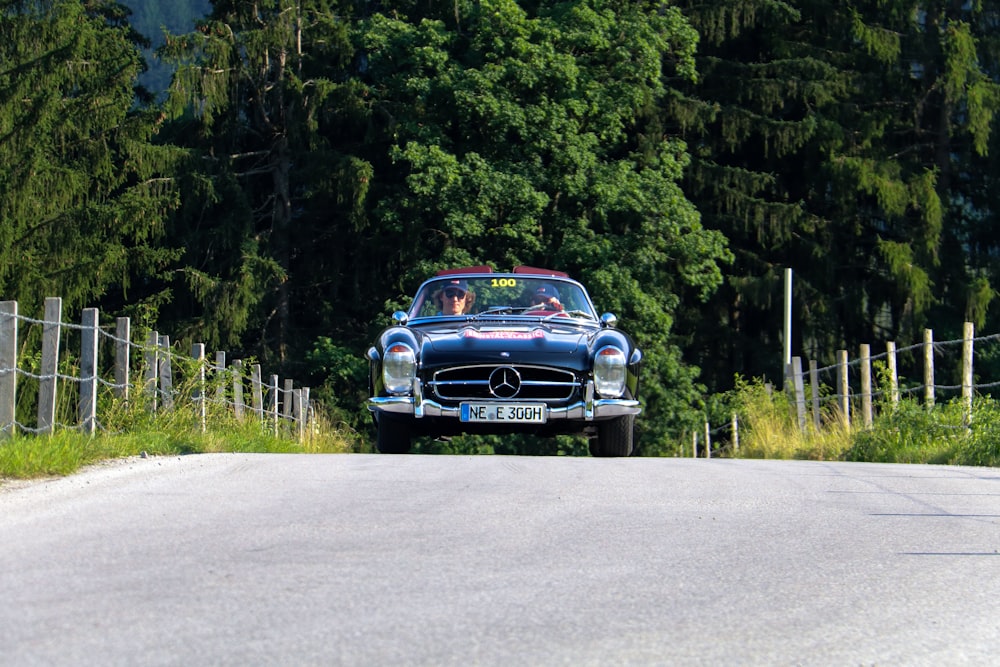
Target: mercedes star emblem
505,382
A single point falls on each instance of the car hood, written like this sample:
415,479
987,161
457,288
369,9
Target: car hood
484,343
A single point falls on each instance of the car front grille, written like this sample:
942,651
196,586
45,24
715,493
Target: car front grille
533,383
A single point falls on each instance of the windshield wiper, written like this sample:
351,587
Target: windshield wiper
520,310
571,313
500,310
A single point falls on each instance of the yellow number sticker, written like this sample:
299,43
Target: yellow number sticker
504,282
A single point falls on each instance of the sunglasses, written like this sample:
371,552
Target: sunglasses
454,294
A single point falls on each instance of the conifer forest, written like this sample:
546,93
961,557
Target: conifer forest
275,177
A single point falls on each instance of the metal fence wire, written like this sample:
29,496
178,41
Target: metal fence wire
208,388
851,389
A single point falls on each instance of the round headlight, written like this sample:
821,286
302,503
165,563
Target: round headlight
609,372
399,368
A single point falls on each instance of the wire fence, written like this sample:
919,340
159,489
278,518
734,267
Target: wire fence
850,391
69,390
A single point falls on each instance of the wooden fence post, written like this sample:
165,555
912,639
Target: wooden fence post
866,385
8,367
298,407
735,426
306,426
256,392
219,378
123,342
273,390
968,333
88,371
152,355
157,374
814,386
800,393
929,368
200,392
51,330
843,389
287,400
788,384
238,388
890,353
166,373
708,441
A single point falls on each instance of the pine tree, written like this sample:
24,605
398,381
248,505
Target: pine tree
977,193
83,193
258,88
748,120
892,103
952,52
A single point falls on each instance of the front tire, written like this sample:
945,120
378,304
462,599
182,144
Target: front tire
615,437
393,435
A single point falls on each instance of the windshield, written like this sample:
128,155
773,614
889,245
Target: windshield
501,294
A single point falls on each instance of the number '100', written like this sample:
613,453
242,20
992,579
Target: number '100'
505,282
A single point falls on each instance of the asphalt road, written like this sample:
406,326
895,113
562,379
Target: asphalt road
433,560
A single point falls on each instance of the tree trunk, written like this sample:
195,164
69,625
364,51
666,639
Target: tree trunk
280,231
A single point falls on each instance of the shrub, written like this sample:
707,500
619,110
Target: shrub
982,446
911,433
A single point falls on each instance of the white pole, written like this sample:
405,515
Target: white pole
788,317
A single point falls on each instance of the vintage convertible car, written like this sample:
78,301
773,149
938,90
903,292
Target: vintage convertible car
485,352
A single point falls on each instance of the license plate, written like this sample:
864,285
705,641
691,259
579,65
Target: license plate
504,413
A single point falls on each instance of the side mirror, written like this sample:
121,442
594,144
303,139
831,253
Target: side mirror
609,320
400,317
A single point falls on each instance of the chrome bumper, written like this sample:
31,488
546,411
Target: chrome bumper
588,409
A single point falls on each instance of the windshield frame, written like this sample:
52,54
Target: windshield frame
504,296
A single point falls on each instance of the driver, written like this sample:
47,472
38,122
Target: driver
546,297
454,298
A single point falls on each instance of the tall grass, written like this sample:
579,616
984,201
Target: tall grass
136,426
905,432
768,427
133,427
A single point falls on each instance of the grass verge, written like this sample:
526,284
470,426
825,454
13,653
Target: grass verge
66,451
904,432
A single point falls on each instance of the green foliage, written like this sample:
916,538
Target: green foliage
344,373
982,445
267,103
83,192
905,432
945,434
66,451
768,426
910,433
152,423
837,140
63,454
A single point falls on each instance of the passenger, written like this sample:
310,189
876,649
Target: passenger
454,298
546,297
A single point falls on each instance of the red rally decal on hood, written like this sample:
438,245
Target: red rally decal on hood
503,335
